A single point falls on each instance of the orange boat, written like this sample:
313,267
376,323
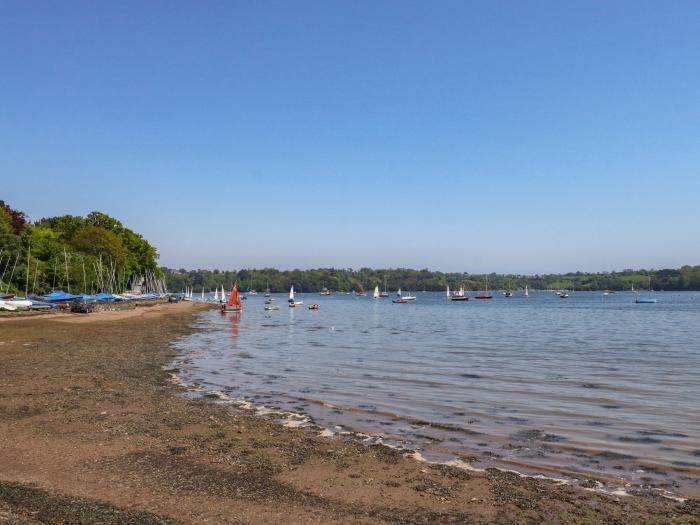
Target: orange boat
234,301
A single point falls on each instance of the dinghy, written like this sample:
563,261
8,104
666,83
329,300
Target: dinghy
234,301
292,302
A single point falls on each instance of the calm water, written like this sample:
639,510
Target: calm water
586,385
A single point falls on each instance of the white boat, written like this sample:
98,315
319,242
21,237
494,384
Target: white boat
7,305
216,294
202,298
459,295
375,295
527,294
223,294
292,301
408,297
384,293
448,291
272,307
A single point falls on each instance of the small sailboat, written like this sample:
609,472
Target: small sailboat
459,295
223,294
384,293
375,295
527,294
645,300
448,291
234,301
202,298
292,301
216,294
485,294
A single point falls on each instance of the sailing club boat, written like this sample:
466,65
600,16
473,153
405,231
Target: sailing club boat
448,291
375,295
292,302
216,294
384,293
459,295
527,294
644,300
485,294
234,301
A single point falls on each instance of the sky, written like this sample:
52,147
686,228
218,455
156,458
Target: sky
505,136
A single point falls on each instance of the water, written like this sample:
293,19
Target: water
589,386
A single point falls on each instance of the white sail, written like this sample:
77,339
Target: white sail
223,293
216,293
291,293
398,293
202,293
448,291
526,292
376,292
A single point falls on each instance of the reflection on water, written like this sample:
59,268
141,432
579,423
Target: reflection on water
589,385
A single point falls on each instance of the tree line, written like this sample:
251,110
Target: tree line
78,254
365,279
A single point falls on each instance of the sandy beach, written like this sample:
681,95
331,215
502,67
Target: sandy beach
92,430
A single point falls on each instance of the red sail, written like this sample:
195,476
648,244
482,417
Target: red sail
234,299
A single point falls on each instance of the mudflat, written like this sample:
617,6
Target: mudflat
93,431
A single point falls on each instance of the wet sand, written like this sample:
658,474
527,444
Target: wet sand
93,431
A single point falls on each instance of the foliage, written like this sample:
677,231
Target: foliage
365,279
80,253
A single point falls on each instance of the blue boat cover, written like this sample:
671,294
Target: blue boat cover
60,295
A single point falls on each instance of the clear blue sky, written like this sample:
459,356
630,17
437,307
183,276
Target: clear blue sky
478,136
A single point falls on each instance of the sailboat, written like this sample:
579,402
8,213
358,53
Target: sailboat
202,298
448,291
527,294
250,290
234,301
267,290
375,295
216,294
223,294
459,295
485,294
384,293
292,302
642,300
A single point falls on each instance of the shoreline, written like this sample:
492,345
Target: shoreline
90,426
